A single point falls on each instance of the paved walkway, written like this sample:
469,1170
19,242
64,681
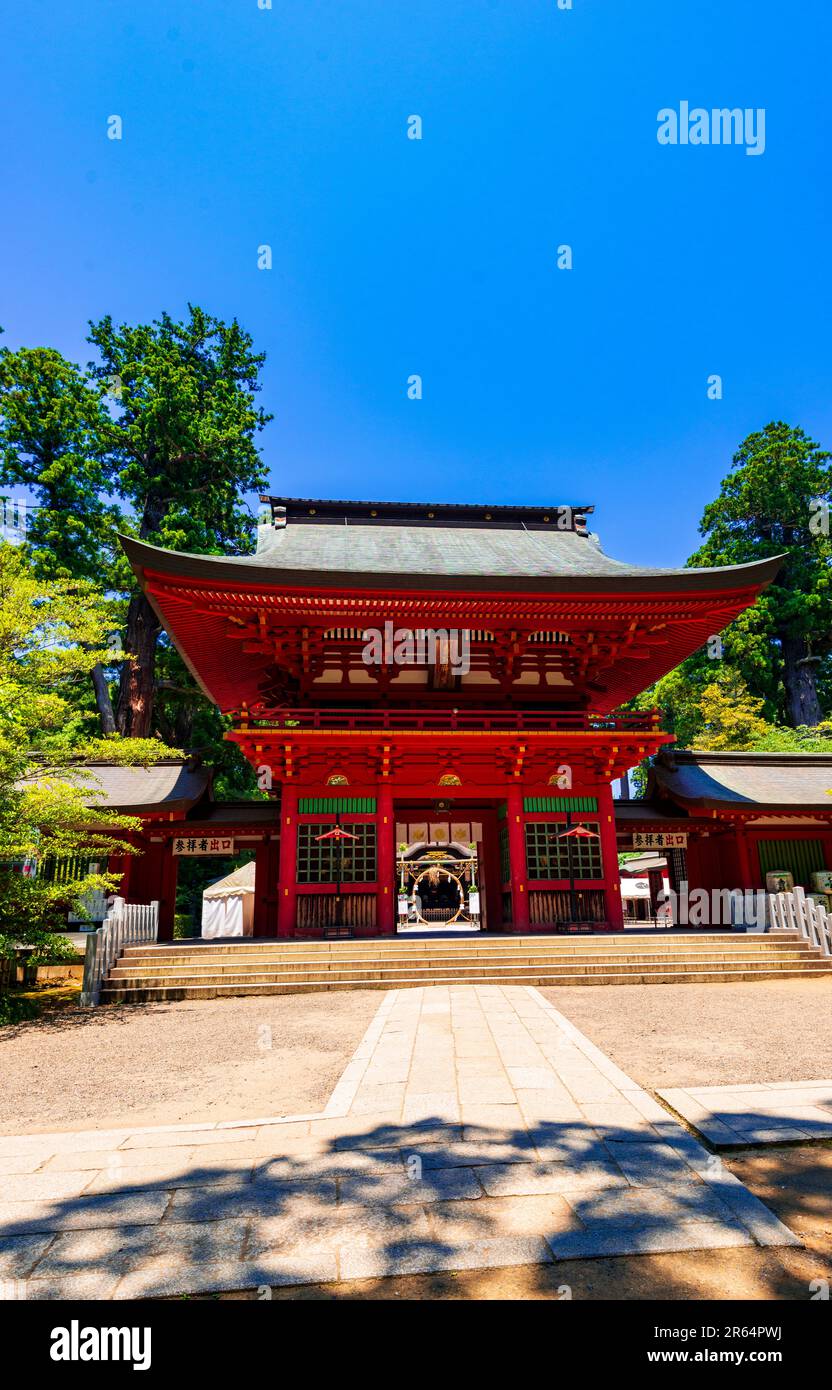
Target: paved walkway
756,1114
474,1127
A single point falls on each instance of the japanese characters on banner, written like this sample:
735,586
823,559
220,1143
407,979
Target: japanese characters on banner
660,839
204,844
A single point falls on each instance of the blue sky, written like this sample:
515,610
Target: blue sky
438,257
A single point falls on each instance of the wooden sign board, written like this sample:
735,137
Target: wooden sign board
204,844
660,839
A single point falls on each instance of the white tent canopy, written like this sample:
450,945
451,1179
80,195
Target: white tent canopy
228,904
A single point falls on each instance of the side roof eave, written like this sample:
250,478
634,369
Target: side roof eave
767,770
169,786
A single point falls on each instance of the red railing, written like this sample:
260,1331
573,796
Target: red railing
513,721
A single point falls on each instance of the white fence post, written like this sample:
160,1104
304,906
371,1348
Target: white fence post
126,924
795,912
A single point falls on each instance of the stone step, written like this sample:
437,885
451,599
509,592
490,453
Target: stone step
604,961
421,977
464,970
208,970
144,994
125,969
427,942
556,947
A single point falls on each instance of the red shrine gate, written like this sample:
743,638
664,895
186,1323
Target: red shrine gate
426,776
521,739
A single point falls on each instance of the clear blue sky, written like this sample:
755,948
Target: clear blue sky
391,256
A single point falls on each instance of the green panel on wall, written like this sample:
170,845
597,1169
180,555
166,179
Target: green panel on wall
560,803
800,857
330,805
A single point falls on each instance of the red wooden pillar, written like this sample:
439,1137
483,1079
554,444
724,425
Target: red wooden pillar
609,858
123,864
265,888
489,871
167,896
693,863
743,857
287,877
150,881
517,860
386,860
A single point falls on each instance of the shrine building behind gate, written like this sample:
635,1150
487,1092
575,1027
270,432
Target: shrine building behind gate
431,696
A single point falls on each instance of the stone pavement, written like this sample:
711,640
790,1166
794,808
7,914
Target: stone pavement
771,1113
474,1127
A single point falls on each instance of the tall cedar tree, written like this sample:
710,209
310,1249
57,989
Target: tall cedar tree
52,422
770,504
180,447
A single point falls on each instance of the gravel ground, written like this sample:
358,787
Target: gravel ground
221,1059
708,1035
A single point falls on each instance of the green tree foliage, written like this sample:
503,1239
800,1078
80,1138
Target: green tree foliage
714,709
52,421
181,449
803,739
52,428
51,631
156,438
731,717
771,504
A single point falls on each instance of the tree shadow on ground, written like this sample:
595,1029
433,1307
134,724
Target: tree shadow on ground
385,1202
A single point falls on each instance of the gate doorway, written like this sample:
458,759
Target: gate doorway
459,830
438,888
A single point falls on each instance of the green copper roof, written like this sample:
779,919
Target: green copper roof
432,545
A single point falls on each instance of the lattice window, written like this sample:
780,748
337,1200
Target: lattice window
677,860
325,861
547,852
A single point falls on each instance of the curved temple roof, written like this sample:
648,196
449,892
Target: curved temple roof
509,574
441,557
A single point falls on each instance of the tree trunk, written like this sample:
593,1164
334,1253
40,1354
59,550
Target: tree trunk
802,703
183,726
135,696
103,702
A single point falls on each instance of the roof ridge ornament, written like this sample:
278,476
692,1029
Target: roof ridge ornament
329,511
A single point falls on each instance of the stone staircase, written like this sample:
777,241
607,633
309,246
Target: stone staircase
209,970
